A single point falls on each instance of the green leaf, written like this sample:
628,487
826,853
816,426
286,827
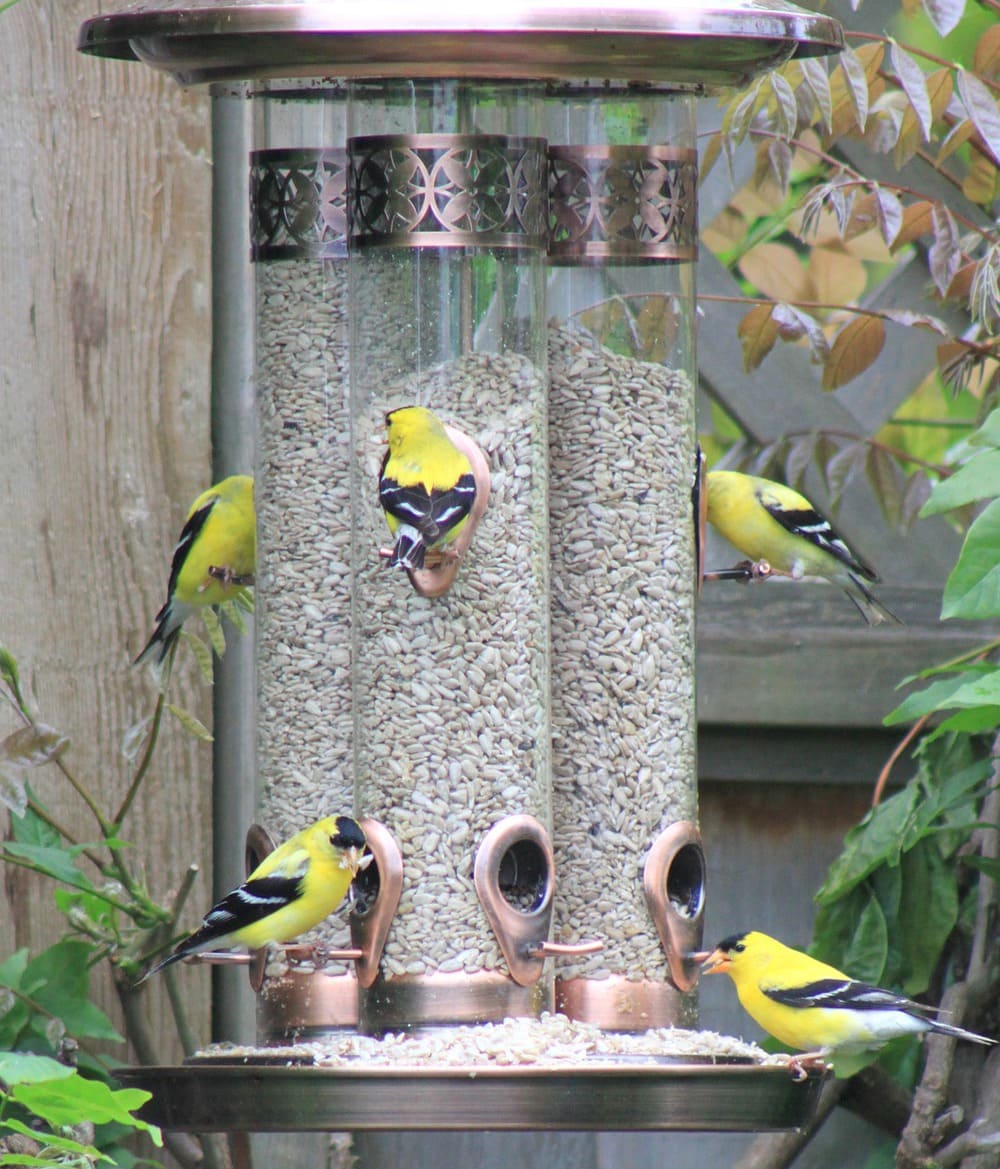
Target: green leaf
202,655
213,627
68,1101
62,977
927,913
977,479
973,587
79,1152
32,829
988,434
190,723
990,865
56,863
877,840
975,720
17,1067
9,675
968,689
865,956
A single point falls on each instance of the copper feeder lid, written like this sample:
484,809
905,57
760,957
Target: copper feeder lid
694,44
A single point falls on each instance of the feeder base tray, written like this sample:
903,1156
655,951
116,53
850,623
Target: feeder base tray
254,1094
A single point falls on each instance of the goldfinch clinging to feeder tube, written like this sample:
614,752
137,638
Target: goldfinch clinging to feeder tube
214,559
770,522
293,889
426,486
813,1007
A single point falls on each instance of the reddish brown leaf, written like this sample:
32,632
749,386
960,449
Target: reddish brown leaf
758,333
854,349
917,221
884,476
961,284
986,61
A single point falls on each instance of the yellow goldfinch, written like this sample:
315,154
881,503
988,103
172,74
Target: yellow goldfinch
769,521
293,888
426,486
813,1007
215,557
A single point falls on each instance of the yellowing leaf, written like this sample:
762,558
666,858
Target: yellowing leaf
758,333
837,276
982,183
775,269
986,60
854,349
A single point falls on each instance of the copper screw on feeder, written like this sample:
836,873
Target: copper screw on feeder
441,564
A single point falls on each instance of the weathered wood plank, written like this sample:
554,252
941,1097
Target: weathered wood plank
104,360
782,653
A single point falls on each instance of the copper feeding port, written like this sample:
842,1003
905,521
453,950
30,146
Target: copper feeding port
674,883
513,875
377,889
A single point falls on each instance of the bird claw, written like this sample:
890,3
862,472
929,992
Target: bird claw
801,1065
227,577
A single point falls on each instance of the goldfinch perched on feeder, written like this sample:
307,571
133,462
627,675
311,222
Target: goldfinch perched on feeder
770,522
814,1007
214,559
426,486
293,889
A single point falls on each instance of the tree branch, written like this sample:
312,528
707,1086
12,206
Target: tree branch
779,1150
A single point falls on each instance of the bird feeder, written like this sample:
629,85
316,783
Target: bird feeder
492,215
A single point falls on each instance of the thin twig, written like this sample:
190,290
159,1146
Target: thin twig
147,755
901,746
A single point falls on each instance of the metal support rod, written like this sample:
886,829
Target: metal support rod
233,769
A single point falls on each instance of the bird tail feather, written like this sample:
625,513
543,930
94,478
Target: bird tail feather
168,625
868,605
959,1032
409,549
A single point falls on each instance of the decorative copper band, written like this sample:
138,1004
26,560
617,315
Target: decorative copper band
628,203
298,204
448,191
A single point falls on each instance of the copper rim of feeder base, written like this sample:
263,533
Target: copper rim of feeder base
306,1003
623,1004
411,1002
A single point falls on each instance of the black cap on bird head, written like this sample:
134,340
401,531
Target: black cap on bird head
348,834
733,942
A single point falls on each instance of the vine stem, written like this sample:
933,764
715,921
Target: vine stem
915,52
147,755
45,816
860,180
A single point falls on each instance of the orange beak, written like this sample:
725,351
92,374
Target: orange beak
715,962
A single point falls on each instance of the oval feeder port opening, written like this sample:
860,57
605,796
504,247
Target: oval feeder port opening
513,875
674,884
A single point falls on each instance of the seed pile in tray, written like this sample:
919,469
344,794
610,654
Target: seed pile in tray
552,1040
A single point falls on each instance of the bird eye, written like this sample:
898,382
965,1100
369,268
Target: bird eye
740,947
